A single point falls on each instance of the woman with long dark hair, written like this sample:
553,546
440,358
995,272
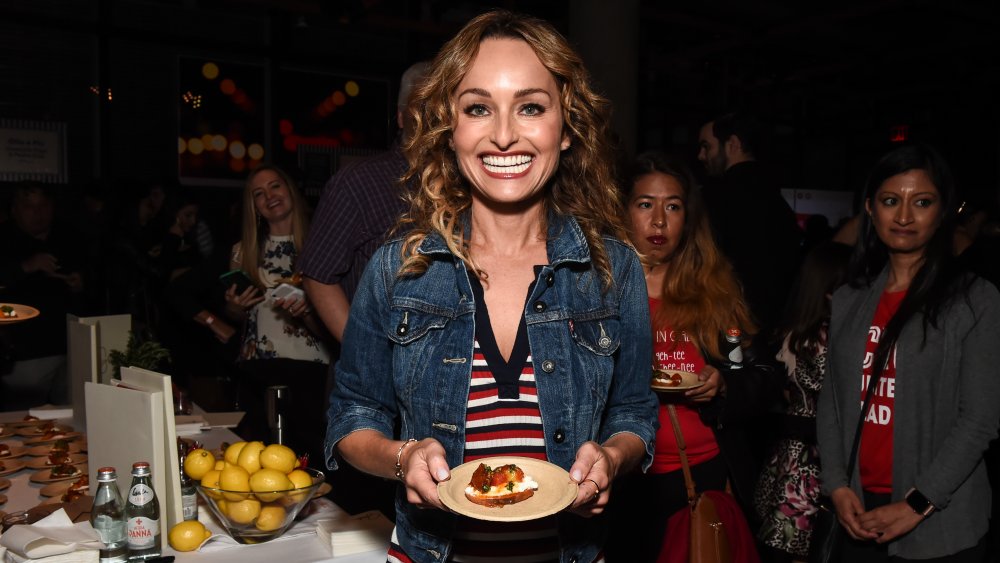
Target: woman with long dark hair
926,334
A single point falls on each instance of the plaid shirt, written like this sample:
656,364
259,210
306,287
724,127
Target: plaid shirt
359,205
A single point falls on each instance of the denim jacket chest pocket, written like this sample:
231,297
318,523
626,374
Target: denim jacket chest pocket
597,335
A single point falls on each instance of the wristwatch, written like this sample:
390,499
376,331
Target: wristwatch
918,502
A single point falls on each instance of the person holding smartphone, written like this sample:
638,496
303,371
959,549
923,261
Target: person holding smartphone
283,343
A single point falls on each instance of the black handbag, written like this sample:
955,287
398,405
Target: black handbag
827,533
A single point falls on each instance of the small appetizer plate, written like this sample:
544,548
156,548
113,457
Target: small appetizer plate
666,381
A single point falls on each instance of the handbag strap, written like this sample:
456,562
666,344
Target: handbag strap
872,385
681,447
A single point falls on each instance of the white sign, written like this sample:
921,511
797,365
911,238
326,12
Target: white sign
32,150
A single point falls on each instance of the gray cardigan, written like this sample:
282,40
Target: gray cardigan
947,409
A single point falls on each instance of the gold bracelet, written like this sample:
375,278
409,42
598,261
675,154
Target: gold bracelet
399,454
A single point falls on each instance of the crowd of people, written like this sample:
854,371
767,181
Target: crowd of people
498,284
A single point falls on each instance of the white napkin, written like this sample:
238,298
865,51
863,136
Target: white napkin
55,534
51,412
347,535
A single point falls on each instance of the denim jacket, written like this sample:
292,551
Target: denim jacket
407,359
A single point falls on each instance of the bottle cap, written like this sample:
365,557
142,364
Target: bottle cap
140,468
733,334
105,474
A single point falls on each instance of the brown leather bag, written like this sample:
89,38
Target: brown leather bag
709,542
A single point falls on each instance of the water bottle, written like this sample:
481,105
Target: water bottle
108,517
142,511
733,351
189,495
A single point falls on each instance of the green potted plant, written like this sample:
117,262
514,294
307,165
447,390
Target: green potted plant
147,354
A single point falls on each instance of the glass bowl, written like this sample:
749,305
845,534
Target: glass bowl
261,516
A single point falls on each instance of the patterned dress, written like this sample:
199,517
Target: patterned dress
270,332
787,495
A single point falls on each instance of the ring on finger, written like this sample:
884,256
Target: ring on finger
597,488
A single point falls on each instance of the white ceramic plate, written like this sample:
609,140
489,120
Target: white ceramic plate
555,491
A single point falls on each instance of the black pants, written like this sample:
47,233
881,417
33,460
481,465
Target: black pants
870,552
641,504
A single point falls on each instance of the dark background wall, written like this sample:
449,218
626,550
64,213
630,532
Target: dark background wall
831,79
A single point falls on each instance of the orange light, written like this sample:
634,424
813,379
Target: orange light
237,165
181,145
210,71
219,143
352,88
227,86
195,146
339,98
255,151
206,141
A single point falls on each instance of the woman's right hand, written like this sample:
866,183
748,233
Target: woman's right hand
424,466
849,507
250,297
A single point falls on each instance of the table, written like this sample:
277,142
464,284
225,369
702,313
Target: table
23,494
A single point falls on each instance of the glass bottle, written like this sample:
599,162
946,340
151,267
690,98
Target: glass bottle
142,511
108,517
733,349
189,495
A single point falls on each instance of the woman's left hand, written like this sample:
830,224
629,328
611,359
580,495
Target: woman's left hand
712,385
296,306
594,470
890,521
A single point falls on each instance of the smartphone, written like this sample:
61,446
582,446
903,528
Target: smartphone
287,291
238,277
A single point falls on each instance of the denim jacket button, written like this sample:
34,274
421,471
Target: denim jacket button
402,329
559,436
540,306
549,280
604,342
548,366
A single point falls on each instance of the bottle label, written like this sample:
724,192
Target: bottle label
189,506
140,494
142,532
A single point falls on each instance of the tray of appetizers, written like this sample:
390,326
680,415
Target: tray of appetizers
59,446
53,460
58,473
8,466
57,489
52,436
37,430
8,451
14,313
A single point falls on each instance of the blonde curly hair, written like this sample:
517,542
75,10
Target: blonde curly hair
584,184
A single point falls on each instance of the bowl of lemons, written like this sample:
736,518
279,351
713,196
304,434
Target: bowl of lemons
255,491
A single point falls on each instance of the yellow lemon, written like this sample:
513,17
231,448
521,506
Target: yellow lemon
233,452
221,504
244,511
264,482
221,464
249,458
211,481
198,463
277,456
271,518
188,535
235,481
300,479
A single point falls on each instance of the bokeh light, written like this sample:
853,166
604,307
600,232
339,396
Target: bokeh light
206,141
210,71
218,143
181,145
237,165
352,88
227,86
255,151
237,149
285,127
195,146
339,98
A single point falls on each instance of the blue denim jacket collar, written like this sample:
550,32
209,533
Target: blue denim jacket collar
566,241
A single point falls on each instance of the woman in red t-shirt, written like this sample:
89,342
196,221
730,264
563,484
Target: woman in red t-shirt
694,300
